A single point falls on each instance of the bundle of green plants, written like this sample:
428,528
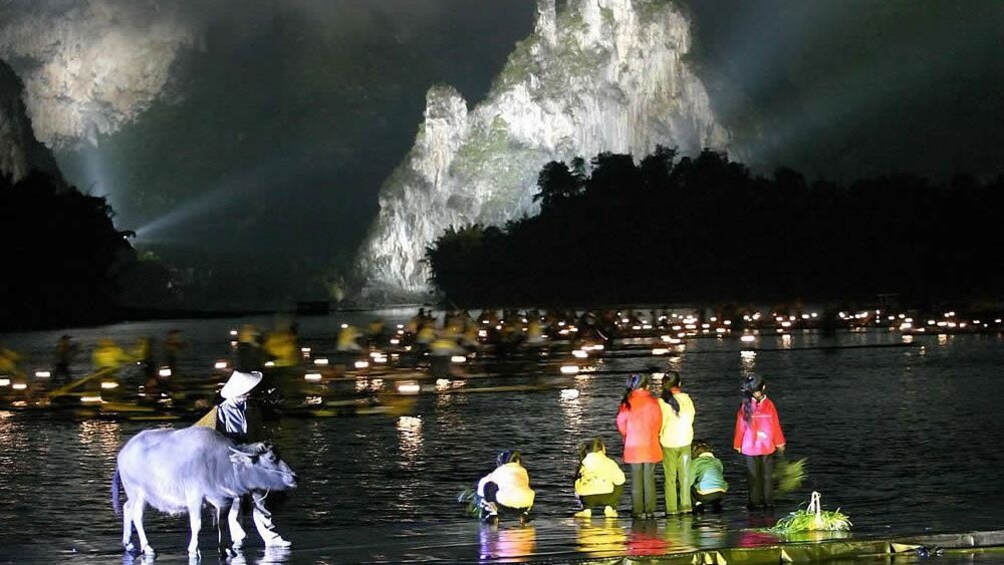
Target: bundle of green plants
789,475
812,519
472,503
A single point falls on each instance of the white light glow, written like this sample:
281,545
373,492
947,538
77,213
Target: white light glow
569,394
408,387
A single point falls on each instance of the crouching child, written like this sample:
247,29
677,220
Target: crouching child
599,481
506,490
709,486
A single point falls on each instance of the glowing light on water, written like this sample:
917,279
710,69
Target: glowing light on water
19,386
458,359
220,365
361,364
569,369
579,354
165,372
109,385
408,387
409,423
569,394
312,377
321,361
4,381
409,440
659,351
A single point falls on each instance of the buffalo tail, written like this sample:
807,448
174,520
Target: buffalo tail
115,492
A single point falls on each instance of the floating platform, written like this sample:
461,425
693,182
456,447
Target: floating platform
545,541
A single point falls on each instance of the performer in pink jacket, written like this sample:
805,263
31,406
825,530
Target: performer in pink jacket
639,421
758,436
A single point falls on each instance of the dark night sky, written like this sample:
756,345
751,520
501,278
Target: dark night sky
274,135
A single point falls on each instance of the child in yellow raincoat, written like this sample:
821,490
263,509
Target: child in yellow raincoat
599,481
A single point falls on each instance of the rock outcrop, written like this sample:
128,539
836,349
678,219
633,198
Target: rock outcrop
596,75
91,66
20,152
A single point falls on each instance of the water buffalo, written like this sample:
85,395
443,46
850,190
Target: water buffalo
174,470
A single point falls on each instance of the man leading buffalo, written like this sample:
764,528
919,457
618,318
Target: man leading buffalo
239,419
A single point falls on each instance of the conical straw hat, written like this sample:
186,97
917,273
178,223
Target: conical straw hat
240,383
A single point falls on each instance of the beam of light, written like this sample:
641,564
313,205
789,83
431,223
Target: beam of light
231,191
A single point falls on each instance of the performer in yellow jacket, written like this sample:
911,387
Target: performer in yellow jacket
676,435
599,481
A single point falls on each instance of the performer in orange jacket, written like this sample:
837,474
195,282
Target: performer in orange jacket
758,436
639,421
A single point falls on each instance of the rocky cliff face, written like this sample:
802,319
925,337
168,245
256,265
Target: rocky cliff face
596,75
20,152
91,66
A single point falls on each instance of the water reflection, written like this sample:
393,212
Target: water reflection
107,435
138,559
756,535
644,540
571,408
747,362
409,433
15,443
814,536
507,542
601,539
270,555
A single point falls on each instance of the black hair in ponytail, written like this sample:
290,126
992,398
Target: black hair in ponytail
671,381
751,384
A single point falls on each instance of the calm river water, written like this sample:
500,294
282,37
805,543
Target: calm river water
905,440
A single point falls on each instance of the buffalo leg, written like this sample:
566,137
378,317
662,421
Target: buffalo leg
137,521
237,533
127,526
195,519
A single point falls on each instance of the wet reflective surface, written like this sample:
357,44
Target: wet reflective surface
904,440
